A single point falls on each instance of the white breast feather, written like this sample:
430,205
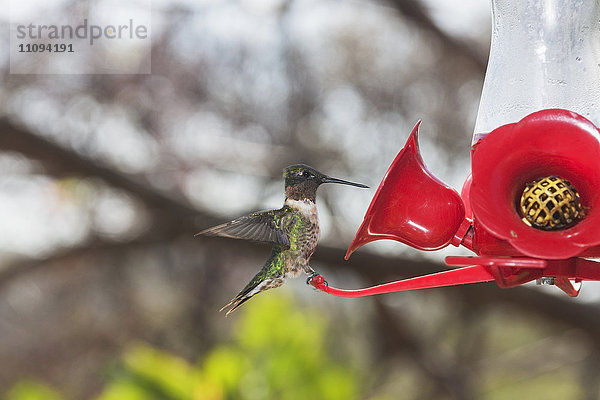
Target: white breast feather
307,208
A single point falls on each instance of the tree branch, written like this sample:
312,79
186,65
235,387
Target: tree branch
59,160
414,11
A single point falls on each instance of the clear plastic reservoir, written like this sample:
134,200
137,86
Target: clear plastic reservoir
544,54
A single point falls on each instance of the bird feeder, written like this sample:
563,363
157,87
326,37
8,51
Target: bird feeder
530,209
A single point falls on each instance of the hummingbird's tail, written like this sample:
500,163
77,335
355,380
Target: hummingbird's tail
234,304
258,284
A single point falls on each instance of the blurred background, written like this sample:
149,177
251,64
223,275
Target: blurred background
106,294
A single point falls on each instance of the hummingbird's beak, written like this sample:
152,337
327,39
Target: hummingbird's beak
335,180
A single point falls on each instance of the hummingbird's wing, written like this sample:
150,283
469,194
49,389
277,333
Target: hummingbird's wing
264,226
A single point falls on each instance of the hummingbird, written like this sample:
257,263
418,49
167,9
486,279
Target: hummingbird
293,230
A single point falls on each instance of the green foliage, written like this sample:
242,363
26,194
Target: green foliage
277,352
30,390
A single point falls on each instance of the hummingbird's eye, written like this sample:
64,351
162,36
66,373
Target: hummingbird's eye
306,174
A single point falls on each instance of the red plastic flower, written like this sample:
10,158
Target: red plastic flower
411,205
548,142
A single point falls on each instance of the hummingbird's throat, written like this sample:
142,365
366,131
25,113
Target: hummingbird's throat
302,191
